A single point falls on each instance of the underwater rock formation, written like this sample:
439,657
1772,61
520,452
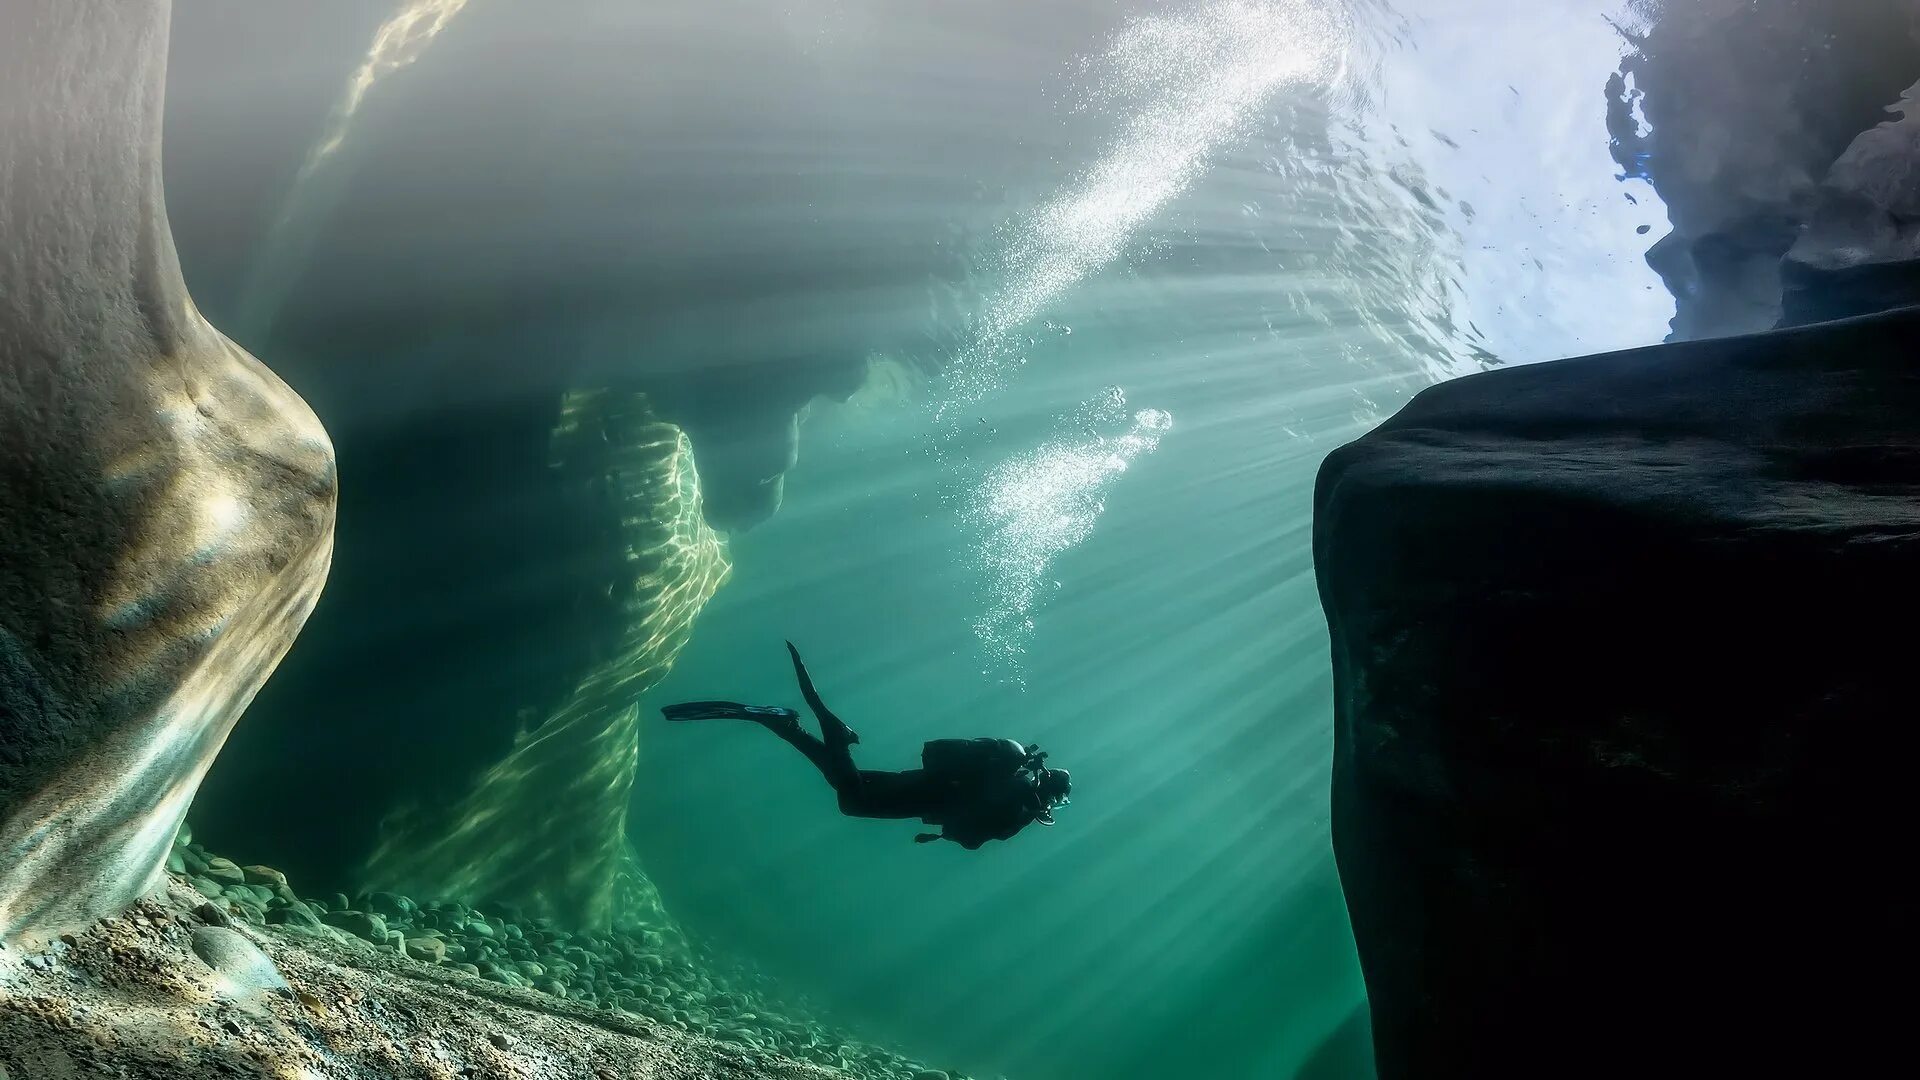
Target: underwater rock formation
166,502
1623,713
544,829
1860,251
1748,103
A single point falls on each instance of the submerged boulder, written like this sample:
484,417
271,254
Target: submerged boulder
1623,706
166,502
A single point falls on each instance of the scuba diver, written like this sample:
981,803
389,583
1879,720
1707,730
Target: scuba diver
976,790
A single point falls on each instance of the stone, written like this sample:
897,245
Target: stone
176,863
264,875
360,924
169,513
429,950
1623,737
294,914
390,905
470,969
213,914
245,969
224,872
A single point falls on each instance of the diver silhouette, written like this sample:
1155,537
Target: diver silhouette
976,790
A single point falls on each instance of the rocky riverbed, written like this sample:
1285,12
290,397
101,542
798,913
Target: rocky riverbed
231,973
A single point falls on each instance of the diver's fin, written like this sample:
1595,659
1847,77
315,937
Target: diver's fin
728,710
835,730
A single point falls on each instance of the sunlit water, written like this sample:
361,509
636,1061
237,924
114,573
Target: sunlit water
1107,550
1202,245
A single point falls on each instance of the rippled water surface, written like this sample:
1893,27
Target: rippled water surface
1109,280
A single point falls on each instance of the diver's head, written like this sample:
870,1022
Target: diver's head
1054,786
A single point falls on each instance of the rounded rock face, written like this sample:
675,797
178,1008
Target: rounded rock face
240,962
167,517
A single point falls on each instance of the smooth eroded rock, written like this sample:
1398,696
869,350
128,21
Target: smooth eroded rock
166,502
246,969
1623,706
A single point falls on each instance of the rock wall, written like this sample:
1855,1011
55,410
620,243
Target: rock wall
166,502
1623,709
544,828
1749,104
1860,251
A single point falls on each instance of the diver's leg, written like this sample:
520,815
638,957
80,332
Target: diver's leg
837,733
834,763
873,794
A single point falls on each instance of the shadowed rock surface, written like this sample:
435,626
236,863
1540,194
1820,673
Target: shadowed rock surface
1623,713
166,502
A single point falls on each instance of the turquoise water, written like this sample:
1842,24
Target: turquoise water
1106,313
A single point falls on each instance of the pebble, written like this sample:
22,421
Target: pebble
294,914
213,914
390,905
360,924
264,875
238,960
225,872
633,971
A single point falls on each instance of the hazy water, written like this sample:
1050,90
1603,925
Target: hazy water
1124,272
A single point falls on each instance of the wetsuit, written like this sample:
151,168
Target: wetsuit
976,790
